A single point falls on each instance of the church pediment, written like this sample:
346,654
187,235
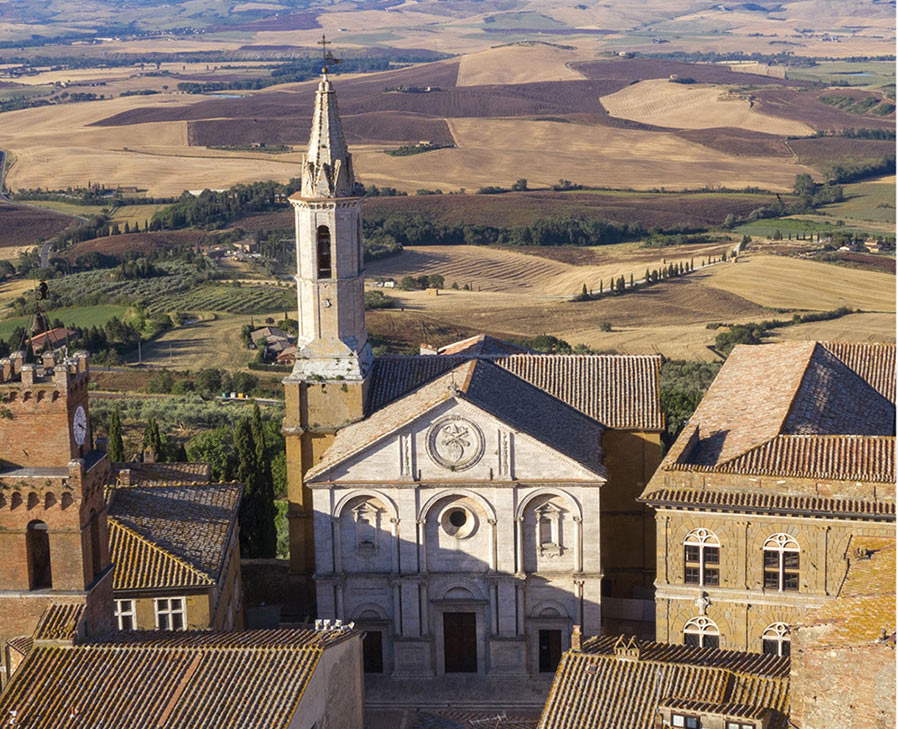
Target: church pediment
456,440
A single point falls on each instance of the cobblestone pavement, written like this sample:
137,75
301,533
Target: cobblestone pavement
450,719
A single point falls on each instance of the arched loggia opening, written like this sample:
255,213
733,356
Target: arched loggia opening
323,238
37,547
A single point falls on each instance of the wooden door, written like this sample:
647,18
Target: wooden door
460,642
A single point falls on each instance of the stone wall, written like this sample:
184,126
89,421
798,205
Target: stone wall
740,605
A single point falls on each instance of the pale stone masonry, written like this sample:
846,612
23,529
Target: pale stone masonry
464,508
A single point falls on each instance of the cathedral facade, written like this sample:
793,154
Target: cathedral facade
465,508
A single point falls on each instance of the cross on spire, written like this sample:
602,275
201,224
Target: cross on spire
326,55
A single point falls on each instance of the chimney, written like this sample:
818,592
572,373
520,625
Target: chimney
576,639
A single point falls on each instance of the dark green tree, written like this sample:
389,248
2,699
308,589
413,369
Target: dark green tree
152,439
258,537
115,446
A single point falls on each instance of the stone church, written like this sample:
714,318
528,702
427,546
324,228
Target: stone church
465,508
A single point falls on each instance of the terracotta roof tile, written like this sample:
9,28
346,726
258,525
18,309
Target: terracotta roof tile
796,410
22,644
250,680
618,391
140,564
770,502
596,689
167,536
875,363
59,622
480,345
149,474
845,458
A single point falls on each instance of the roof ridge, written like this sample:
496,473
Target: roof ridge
115,521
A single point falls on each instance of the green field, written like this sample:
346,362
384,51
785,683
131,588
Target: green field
79,316
82,211
872,201
804,224
842,73
229,299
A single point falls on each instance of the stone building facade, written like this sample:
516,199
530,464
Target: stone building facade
789,457
465,508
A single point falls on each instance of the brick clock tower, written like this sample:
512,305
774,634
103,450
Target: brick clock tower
53,537
327,387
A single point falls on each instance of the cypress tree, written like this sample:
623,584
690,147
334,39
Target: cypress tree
258,536
632,281
115,446
152,438
246,474
267,529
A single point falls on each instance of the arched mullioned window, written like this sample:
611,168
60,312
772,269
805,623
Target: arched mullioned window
701,632
775,640
323,247
37,548
701,556
781,563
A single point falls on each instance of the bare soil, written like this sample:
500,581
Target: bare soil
22,225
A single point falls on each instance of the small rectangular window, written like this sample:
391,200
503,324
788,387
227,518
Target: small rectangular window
693,575
692,639
124,614
712,576
687,722
711,641
170,613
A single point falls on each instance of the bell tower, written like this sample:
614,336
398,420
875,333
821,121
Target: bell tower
326,389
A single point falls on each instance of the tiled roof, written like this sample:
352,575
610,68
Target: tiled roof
864,609
140,564
596,689
491,388
480,345
22,644
842,458
149,474
245,680
770,502
59,622
875,363
171,536
731,710
618,391
799,410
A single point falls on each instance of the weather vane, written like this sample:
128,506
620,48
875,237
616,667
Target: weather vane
326,55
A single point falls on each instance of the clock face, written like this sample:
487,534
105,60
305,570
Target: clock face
79,425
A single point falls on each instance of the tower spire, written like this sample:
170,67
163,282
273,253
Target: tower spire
327,166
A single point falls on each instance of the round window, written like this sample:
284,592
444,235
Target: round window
457,518
458,522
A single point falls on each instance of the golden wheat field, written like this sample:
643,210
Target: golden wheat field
521,295
55,147
503,270
692,106
790,283
499,151
518,64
